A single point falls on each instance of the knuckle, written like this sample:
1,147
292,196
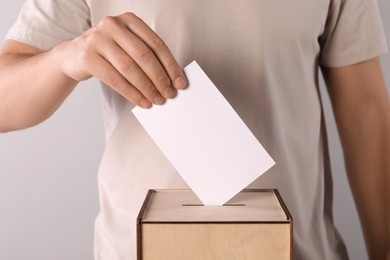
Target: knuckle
92,37
148,90
158,43
141,51
148,87
173,69
126,65
108,23
113,81
129,16
161,80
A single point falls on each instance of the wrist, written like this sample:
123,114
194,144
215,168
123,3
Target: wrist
66,63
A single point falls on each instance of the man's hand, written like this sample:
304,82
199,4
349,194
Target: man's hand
128,56
121,51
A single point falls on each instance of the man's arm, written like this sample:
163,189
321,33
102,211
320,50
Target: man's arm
32,86
121,51
362,111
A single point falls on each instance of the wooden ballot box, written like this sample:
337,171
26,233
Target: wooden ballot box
174,224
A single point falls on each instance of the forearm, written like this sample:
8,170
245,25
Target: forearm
367,152
362,111
32,87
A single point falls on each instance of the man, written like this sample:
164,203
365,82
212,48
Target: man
263,56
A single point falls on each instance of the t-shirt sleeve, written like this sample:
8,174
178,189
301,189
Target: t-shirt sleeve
46,23
353,33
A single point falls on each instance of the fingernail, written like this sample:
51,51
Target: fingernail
158,100
145,103
169,93
180,82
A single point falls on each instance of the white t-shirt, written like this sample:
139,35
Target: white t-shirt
264,58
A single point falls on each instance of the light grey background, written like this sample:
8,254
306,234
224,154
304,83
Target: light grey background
48,191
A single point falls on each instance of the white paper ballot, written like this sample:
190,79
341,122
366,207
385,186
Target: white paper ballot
205,140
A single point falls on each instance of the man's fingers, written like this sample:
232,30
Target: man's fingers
147,62
130,70
132,59
159,48
110,76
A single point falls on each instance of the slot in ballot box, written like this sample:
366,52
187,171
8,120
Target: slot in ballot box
174,224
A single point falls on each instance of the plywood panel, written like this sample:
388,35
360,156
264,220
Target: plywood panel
216,241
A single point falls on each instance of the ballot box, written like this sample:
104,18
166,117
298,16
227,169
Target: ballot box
174,224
